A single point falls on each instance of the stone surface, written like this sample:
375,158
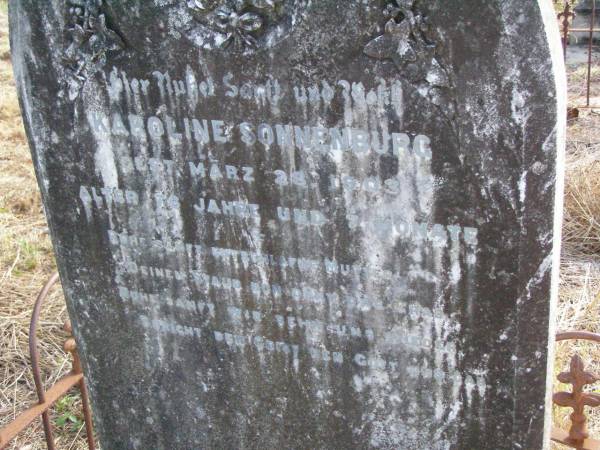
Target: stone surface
586,6
301,224
583,20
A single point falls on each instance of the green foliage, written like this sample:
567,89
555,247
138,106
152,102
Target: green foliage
66,416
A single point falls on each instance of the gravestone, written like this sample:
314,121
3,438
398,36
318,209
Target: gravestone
583,20
298,224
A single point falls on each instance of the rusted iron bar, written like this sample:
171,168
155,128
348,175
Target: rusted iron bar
48,398
578,436
575,335
71,347
35,357
579,378
87,415
590,49
562,437
566,16
27,417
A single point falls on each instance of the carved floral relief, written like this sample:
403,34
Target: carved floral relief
88,40
238,24
410,43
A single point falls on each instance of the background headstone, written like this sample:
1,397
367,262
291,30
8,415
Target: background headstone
583,19
299,224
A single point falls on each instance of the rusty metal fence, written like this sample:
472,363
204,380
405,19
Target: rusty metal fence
578,399
566,19
48,398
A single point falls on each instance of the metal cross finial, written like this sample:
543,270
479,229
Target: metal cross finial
577,399
565,17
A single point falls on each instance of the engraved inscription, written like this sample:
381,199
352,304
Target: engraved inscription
287,307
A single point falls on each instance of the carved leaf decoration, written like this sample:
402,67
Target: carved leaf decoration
393,44
202,5
379,48
250,22
436,75
405,4
113,40
564,399
74,86
392,11
247,40
238,27
264,4
238,23
79,35
222,16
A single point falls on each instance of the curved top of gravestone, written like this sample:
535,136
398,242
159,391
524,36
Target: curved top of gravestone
302,224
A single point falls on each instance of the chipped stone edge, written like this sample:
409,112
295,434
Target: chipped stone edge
560,77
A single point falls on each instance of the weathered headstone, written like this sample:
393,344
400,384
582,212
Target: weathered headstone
302,224
583,20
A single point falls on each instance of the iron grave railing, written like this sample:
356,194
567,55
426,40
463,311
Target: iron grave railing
48,398
566,18
578,399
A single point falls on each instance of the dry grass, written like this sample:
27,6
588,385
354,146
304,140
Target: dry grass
578,85
582,207
26,261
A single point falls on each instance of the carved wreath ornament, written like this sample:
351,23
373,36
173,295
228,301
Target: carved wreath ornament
236,24
410,43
